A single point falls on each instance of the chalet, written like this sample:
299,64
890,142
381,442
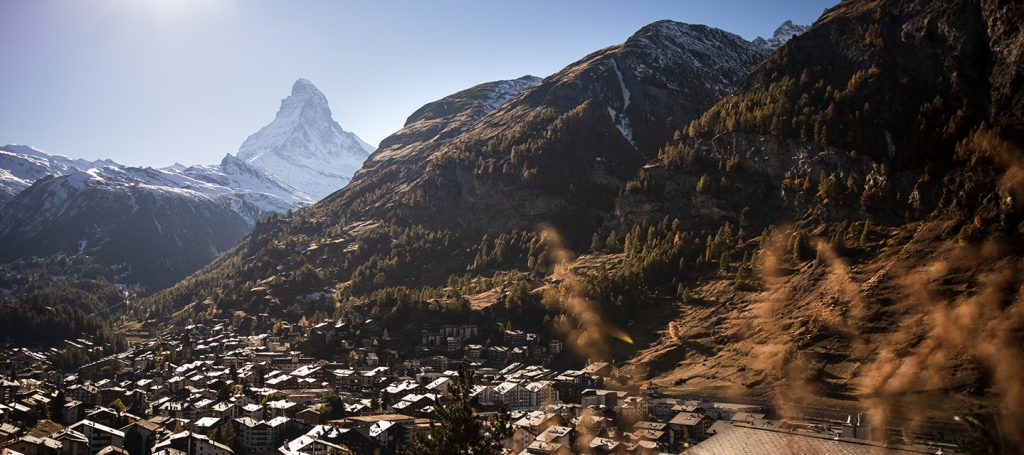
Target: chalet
99,435
191,444
689,427
542,393
205,425
253,411
72,442
513,395
633,408
473,351
260,437
601,446
309,416
528,427
143,434
440,386
328,440
601,398
555,439
282,408
35,445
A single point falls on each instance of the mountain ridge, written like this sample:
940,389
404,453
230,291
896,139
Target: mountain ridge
674,70
20,165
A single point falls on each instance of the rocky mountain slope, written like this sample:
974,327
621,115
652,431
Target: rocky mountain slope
444,119
559,148
304,146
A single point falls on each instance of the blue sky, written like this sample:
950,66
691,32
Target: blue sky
153,82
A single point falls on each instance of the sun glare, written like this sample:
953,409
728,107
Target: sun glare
172,9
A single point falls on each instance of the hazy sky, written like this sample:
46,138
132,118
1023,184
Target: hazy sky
153,82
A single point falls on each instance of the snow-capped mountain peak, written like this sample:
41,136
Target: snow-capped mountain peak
304,147
303,85
783,33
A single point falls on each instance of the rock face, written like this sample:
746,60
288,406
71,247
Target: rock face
304,146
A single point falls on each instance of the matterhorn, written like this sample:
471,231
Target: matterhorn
304,147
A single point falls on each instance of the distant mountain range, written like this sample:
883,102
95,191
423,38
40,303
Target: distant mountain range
21,165
157,225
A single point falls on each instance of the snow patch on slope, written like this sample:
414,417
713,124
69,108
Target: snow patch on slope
504,90
620,119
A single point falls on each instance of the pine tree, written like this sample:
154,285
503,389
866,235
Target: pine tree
864,234
224,392
612,242
57,407
683,293
458,430
702,184
741,275
133,442
227,434
595,243
797,247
